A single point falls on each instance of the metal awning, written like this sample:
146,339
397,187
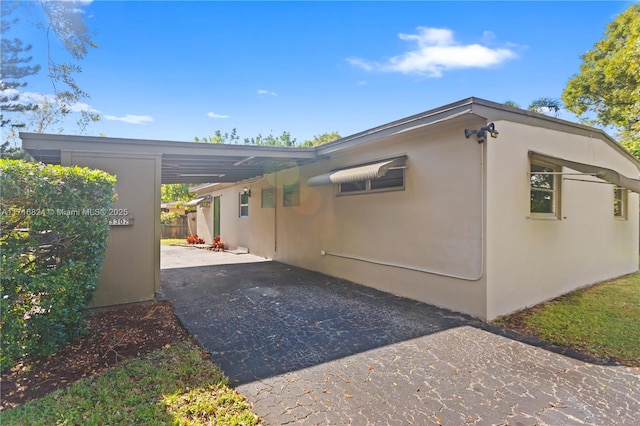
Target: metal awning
198,201
603,173
194,202
356,174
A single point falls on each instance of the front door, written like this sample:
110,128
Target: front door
216,216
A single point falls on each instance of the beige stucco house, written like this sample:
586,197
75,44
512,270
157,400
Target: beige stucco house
433,207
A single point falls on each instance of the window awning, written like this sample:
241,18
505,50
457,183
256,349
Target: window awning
603,173
356,174
194,202
197,201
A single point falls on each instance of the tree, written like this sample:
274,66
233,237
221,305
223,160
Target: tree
175,192
16,67
631,141
219,137
608,84
542,105
283,140
545,106
36,112
321,139
232,138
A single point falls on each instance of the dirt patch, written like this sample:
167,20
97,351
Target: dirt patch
115,335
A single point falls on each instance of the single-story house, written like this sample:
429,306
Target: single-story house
474,206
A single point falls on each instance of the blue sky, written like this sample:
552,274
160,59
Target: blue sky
176,70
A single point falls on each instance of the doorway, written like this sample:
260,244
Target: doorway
216,216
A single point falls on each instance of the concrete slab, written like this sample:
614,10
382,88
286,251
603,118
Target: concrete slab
306,348
183,257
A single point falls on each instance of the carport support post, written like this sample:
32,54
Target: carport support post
131,267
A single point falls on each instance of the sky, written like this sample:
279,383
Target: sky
176,70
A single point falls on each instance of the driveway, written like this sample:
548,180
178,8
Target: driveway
306,348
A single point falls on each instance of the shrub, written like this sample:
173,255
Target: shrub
54,225
194,239
218,244
169,218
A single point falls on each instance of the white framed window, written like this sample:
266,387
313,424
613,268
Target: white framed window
244,204
268,198
291,194
544,180
620,202
392,180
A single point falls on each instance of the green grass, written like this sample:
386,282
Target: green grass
169,241
602,320
175,385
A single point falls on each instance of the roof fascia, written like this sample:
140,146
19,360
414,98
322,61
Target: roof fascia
103,144
427,118
203,186
494,111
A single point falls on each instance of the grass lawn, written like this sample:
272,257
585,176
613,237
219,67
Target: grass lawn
602,320
169,241
174,385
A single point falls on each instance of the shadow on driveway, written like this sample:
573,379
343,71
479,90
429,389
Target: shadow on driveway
306,348
263,319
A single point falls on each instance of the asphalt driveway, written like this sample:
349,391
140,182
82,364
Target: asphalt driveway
311,349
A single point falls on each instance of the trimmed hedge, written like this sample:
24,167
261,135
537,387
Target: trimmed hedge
54,225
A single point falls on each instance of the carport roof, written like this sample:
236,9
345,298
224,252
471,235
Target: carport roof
182,162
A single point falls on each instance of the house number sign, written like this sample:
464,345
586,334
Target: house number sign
120,217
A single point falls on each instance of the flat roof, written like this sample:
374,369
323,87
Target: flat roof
197,163
182,162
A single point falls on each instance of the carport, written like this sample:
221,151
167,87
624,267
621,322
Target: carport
131,269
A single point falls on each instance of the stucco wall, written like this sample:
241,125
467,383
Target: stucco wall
255,232
435,224
530,260
204,220
131,274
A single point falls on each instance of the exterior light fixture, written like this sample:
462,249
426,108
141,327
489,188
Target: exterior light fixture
482,132
247,192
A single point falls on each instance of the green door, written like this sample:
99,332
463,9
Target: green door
216,216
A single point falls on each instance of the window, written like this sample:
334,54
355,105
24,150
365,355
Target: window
291,195
244,204
544,190
619,202
268,198
392,180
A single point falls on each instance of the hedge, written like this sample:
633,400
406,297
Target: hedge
54,225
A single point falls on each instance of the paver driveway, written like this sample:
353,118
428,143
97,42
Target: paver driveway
310,349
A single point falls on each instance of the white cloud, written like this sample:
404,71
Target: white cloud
81,106
489,36
131,119
266,92
42,99
437,50
75,6
361,63
362,83
214,115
